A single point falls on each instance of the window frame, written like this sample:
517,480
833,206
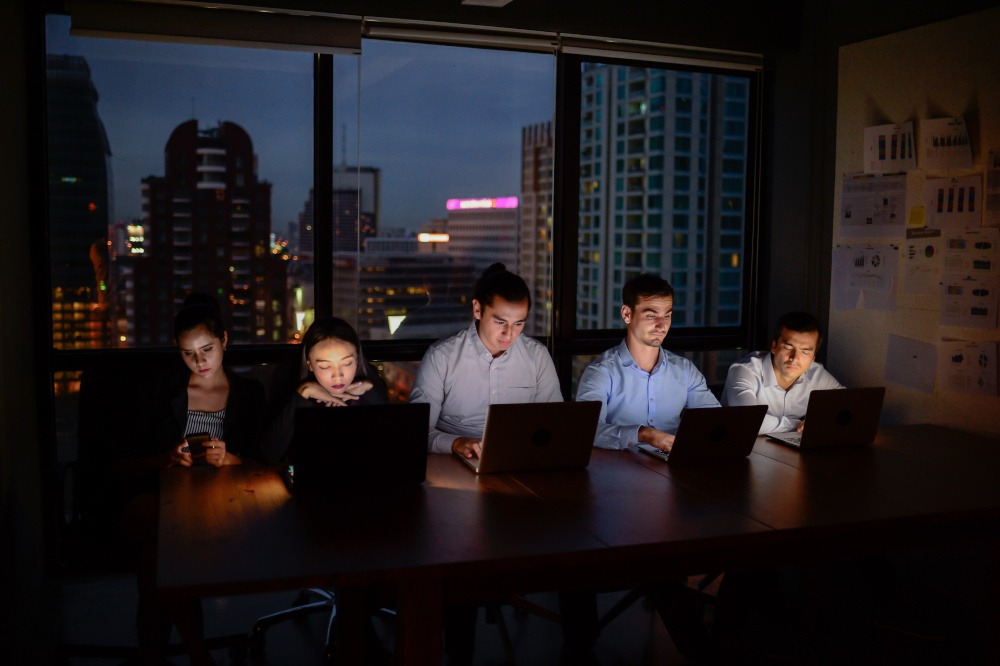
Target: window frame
567,341
571,341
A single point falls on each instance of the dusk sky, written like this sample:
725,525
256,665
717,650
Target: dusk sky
440,122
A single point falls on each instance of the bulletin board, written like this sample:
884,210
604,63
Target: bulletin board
916,222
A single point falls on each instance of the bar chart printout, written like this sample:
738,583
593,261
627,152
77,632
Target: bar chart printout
890,148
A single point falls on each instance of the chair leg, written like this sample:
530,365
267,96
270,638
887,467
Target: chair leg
494,614
327,604
331,636
621,606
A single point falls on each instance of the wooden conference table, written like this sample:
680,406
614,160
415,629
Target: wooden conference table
625,520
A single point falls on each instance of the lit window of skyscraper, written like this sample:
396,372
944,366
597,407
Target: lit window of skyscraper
662,180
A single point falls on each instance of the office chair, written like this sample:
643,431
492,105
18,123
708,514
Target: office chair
113,413
309,602
702,587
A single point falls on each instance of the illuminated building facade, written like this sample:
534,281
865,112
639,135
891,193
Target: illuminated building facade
79,207
400,293
355,210
662,162
208,227
484,231
536,224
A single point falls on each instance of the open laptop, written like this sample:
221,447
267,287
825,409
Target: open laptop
537,436
838,417
345,451
713,434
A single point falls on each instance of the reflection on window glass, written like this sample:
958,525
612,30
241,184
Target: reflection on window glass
703,116
449,171
173,168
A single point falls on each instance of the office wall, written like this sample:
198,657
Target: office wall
945,69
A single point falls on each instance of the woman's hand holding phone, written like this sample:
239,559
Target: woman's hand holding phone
180,455
216,454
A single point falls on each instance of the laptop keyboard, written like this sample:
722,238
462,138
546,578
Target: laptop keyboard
793,438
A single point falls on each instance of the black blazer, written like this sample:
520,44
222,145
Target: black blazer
243,424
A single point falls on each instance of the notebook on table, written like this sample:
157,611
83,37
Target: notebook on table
713,434
837,417
537,436
338,451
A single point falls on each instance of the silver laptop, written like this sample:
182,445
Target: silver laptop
713,434
837,417
537,436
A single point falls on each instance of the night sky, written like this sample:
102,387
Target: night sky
440,122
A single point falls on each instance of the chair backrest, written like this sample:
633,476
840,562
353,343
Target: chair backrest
113,426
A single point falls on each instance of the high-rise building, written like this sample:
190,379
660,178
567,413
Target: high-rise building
79,161
484,231
355,210
662,178
208,226
391,290
536,224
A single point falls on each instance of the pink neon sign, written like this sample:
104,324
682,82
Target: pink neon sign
471,204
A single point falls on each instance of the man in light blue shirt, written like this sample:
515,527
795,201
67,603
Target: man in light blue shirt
784,377
643,387
488,362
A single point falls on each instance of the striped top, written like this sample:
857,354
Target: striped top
210,422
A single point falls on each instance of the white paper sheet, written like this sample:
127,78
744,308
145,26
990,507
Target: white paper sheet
967,367
890,148
944,144
873,206
864,276
911,363
955,203
991,210
922,262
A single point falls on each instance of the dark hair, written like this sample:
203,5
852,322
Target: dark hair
199,309
498,281
800,322
645,285
334,328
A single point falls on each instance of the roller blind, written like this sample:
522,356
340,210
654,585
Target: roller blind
214,25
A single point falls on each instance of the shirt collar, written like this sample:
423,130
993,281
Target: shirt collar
481,350
628,360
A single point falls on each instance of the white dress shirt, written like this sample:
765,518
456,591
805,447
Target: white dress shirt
459,379
751,381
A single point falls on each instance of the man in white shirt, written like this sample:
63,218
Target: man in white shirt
783,377
461,375
489,362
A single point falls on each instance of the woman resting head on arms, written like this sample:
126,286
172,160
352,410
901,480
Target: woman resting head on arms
337,373
223,405
332,372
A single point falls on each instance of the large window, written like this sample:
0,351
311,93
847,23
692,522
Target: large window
173,168
664,154
177,168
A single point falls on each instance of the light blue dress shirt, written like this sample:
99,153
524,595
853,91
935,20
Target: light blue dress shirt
751,381
459,379
631,397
